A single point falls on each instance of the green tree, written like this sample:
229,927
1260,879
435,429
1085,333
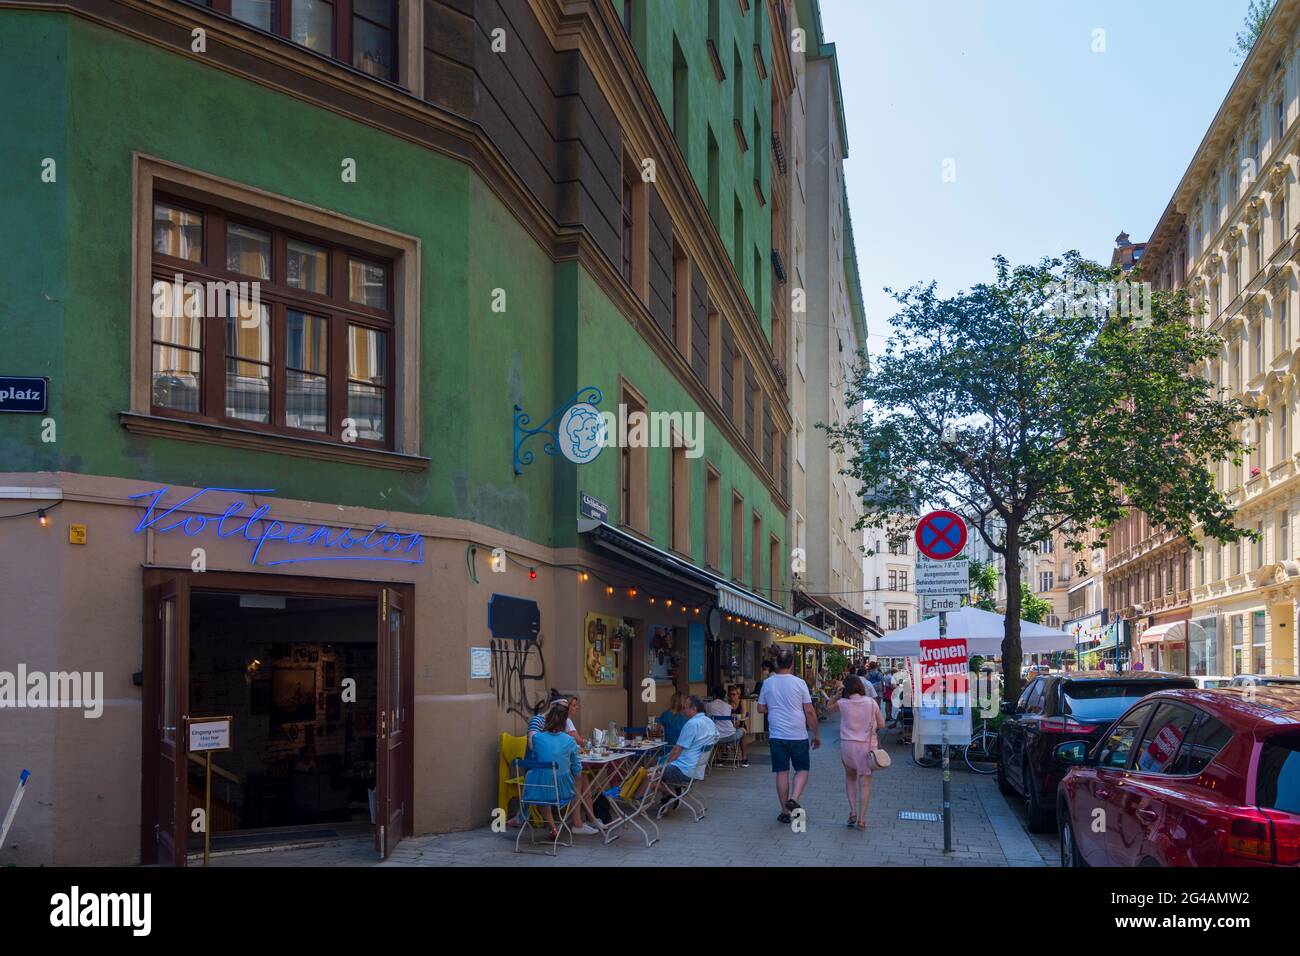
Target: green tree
983,585
1032,608
1031,404
1253,24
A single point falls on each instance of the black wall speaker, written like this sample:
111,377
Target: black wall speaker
514,619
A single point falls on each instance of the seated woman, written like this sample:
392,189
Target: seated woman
672,720
729,731
733,698
553,745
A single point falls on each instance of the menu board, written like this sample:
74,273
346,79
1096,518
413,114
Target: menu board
602,650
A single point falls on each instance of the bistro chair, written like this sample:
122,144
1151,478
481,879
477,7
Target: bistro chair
631,802
543,776
684,796
726,752
510,749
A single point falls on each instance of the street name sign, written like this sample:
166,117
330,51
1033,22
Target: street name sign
942,577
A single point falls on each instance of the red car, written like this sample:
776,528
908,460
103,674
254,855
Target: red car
1187,778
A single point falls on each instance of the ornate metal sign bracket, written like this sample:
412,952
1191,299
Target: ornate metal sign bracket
589,395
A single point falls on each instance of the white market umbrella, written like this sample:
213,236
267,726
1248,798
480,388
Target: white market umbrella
982,630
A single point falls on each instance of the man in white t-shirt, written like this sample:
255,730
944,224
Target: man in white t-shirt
788,706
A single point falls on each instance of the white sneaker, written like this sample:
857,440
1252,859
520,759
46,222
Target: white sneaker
585,830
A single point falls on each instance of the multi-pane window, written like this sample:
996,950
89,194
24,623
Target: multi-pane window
1044,580
627,229
1282,548
362,33
902,619
258,326
1281,423
1283,325
893,580
893,620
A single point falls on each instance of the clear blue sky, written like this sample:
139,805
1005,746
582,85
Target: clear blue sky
1056,147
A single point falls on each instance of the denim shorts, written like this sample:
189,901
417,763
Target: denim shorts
787,752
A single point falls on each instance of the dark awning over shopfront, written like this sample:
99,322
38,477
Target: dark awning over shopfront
729,598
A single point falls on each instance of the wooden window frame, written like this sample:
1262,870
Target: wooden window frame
634,472
756,551
341,46
713,518
715,353
681,300
334,306
152,179
680,487
635,232
774,568
737,536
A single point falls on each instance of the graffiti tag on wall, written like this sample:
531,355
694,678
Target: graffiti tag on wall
511,675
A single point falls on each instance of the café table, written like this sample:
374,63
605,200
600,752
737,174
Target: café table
600,769
642,754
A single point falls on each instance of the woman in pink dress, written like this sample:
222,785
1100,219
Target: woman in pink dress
860,719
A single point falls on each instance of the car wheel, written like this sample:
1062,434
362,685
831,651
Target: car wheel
1070,855
1004,784
1037,819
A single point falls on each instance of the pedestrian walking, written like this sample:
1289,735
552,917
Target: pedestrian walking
889,683
860,722
786,703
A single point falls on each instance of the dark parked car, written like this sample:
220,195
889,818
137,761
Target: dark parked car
1188,778
1054,709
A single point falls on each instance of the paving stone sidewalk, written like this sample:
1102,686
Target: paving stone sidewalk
740,828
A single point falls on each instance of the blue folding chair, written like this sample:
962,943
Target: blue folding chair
546,793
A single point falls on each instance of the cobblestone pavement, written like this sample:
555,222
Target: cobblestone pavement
740,828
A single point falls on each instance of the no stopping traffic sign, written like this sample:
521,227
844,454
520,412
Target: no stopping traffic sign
941,535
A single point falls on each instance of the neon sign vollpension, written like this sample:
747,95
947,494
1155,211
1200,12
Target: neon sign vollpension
260,528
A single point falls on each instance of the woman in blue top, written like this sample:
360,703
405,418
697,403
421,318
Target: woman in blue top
553,745
673,720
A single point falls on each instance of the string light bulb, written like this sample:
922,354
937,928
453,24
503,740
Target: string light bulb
583,576
42,518
532,574
669,602
631,592
609,589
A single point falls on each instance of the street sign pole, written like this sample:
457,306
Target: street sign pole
947,769
941,536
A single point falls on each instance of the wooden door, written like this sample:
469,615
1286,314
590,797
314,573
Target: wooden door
392,748
167,702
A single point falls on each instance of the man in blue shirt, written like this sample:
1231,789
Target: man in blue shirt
697,733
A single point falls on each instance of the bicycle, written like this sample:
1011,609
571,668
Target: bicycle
980,755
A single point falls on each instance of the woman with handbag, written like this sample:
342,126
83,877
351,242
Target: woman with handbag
860,720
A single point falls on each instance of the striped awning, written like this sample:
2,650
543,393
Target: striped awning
734,601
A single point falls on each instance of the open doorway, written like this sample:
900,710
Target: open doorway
316,676
299,675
